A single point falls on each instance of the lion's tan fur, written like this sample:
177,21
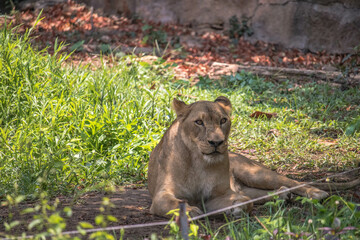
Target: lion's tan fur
184,166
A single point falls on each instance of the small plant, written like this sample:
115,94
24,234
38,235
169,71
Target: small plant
238,29
105,48
175,225
350,64
353,127
46,219
207,83
78,46
102,220
299,236
335,232
153,36
12,203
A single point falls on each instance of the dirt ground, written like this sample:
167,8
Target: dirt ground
131,206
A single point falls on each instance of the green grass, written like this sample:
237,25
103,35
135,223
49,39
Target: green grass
305,220
64,129
68,129
334,218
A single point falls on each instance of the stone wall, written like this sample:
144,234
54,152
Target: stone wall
331,25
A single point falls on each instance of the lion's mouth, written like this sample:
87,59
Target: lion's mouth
216,152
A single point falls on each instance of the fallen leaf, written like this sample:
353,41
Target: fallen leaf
68,19
259,114
206,237
153,86
357,195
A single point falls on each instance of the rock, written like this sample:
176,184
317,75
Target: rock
315,25
306,25
38,4
329,67
105,39
191,41
194,12
125,7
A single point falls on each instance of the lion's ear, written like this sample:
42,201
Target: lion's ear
179,107
225,103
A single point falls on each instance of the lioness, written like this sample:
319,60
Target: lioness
192,163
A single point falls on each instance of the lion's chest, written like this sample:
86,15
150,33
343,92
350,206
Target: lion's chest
198,187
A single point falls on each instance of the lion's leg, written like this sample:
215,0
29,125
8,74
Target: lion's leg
254,175
165,201
226,200
254,193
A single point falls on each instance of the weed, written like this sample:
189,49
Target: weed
238,29
153,36
349,66
49,221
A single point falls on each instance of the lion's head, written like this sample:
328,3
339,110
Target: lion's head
205,126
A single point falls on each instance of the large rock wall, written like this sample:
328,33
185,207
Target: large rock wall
316,25
331,25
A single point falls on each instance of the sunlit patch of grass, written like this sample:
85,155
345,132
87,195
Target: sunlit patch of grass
308,131
66,129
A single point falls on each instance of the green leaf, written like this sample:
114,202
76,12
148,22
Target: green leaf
34,223
144,64
81,231
146,27
194,230
78,46
353,127
28,210
19,199
105,48
145,39
67,211
7,226
112,218
99,219
86,225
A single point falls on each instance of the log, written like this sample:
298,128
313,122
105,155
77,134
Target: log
284,73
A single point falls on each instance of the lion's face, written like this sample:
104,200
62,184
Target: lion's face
206,126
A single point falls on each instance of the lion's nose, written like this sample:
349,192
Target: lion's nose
215,143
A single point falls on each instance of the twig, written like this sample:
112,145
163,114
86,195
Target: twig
263,225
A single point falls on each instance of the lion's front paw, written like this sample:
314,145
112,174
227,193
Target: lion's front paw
193,211
316,193
241,209
284,195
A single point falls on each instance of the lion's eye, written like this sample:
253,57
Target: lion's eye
199,122
222,121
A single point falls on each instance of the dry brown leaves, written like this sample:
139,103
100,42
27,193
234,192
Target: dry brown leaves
71,22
